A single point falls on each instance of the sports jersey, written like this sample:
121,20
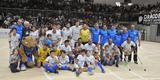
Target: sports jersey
64,60
95,34
85,35
76,32
104,36
43,54
134,34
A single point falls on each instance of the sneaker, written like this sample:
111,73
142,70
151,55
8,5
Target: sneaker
90,73
56,72
136,62
77,73
124,59
129,60
117,65
103,71
23,67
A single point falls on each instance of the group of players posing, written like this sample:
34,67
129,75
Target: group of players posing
77,48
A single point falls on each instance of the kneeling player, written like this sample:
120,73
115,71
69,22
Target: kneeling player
80,62
64,61
51,63
127,47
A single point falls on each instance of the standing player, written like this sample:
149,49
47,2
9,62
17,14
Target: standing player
118,40
95,34
85,34
76,31
55,36
13,39
19,27
112,32
104,35
124,36
67,31
135,37
103,38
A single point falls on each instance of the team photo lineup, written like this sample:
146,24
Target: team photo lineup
78,47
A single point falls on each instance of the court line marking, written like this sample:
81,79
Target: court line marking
153,78
114,74
45,74
3,48
110,73
49,78
134,73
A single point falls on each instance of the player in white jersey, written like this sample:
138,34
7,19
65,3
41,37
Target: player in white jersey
76,31
64,61
67,31
34,33
127,47
91,47
13,39
80,62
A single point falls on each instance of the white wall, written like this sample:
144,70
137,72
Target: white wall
112,2
145,2
151,33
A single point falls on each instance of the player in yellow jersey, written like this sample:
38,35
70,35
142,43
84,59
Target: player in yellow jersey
85,34
43,52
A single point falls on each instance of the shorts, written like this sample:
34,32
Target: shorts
41,60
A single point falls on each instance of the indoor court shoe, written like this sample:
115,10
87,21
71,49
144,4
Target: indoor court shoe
77,73
117,65
56,72
129,60
23,67
136,62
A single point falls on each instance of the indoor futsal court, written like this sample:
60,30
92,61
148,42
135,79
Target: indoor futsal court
148,54
79,39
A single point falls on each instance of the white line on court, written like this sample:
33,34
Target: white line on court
45,74
111,73
134,73
153,78
3,48
115,75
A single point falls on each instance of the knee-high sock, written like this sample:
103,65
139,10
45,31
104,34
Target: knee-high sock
101,67
111,62
29,58
54,66
64,67
70,59
117,59
90,70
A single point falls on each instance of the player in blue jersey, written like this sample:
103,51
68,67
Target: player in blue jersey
104,35
124,36
112,32
117,39
95,31
19,27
